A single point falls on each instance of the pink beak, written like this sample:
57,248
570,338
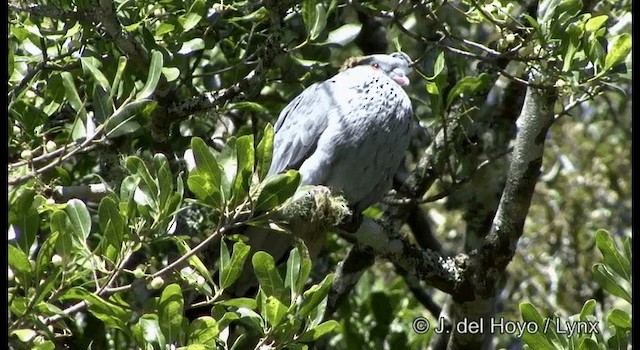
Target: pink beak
402,81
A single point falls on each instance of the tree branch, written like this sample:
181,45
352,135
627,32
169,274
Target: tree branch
488,264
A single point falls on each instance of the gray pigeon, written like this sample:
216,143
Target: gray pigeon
348,133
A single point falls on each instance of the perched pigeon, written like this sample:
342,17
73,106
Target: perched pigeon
348,133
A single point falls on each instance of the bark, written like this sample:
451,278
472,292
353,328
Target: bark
487,265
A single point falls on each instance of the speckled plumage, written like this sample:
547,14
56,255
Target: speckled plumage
349,132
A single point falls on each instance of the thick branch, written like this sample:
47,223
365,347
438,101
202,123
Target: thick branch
488,265
441,272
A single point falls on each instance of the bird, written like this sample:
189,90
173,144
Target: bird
348,133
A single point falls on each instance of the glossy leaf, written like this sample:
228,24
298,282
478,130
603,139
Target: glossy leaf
343,35
91,67
245,161
535,340
194,15
170,308
277,189
231,269
155,70
112,314
265,269
112,224
314,295
604,277
203,330
148,331
612,257
274,310
265,152
45,253
618,50
122,64
79,218
317,332
122,121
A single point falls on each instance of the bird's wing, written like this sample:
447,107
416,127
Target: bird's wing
300,125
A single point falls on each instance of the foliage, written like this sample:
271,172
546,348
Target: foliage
586,330
140,137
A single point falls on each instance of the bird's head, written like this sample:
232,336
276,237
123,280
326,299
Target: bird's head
395,65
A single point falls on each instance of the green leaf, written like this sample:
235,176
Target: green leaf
24,335
277,189
274,310
627,248
228,161
265,152
587,309
265,269
122,64
45,253
127,192
469,86
191,46
165,180
293,271
91,67
618,50
205,187
250,318
155,70
23,217
588,344
248,303
79,219
194,15
612,257
620,319
603,276
535,340
248,106
112,314
148,185
432,88
305,267
230,269
438,66
317,332
572,38
72,95
205,160
343,35
122,121
170,307
164,28
315,18
171,73
19,262
112,224
594,23
193,260
203,330
60,223
315,295
148,331
103,107
245,160
619,340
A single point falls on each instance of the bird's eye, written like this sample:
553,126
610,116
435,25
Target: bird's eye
376,66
